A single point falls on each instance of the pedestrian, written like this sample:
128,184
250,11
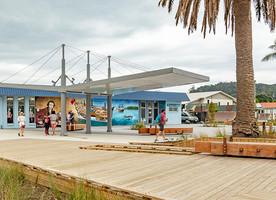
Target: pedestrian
53,118
68,118
22,122
72,117
161,125
47,123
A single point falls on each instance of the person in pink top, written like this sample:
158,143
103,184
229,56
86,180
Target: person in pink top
161,125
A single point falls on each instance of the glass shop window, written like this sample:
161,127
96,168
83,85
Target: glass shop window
32,110
143,111
173,109
9,110
21,105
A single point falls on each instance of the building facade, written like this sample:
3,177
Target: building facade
127,108
267,108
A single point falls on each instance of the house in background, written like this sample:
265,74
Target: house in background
199,101
266,109
218,97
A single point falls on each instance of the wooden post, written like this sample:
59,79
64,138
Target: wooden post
271,128
233,125
264,127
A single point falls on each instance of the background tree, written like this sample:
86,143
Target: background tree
237,15
272,55
263,98
212,109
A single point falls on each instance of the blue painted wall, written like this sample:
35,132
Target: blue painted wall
128,116
3,113
174,117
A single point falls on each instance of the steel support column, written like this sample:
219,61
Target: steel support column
88,99
109,101
63,95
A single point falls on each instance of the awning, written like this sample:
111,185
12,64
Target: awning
156,79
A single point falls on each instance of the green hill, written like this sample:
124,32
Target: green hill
230,88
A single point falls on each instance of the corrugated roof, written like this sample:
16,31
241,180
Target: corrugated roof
198,95
143,95
153,95
268,105
28,92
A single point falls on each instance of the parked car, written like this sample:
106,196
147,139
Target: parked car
186,117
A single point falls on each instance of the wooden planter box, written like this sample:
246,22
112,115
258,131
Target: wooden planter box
143,130
75,127
167,130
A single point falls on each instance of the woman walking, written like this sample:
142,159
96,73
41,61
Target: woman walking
22,122
53,118
47,123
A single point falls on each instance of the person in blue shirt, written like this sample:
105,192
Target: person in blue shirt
161,125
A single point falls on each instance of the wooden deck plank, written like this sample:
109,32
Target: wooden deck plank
238,184
164,176
257,195
142,176
204,182
242,180
160,171
188,175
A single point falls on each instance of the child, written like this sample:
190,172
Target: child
22,122
47,123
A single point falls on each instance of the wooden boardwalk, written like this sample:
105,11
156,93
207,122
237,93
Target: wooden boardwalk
164,176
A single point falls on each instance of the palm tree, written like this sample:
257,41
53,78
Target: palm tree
237,15
271,56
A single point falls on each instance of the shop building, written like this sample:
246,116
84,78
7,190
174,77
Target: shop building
128,108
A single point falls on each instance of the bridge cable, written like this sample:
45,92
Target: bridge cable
30,64
42,65
54,70
90,66
123,66
76,62
131,64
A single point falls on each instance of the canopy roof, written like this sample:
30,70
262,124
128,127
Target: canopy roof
161,78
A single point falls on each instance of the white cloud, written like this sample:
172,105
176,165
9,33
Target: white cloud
137,31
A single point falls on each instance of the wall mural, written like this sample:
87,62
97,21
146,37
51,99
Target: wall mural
124,112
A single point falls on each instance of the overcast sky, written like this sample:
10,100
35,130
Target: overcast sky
136,31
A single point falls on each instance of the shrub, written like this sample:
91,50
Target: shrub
221,133
137,126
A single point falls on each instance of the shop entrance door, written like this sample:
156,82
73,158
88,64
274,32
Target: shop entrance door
156,113
150,112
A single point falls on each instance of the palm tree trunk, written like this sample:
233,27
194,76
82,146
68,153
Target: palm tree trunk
245,125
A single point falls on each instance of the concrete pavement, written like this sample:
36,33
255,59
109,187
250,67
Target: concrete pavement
120,134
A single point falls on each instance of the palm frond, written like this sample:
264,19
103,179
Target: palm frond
228,15
193,18
170,5
232,18
273,47
272,14
163,3
178,14
217,3
269,57
183,12
258,8
204,22
267,8
186,12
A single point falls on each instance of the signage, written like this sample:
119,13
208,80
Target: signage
173,105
